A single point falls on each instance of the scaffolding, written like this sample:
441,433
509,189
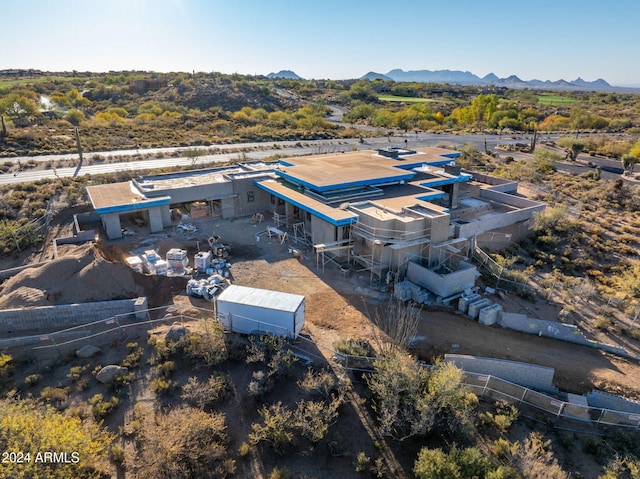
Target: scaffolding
300,234
330,252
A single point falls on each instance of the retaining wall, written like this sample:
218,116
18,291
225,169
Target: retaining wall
528,375
47,318
604,400
555,330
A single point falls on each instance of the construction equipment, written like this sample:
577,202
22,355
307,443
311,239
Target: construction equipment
218,249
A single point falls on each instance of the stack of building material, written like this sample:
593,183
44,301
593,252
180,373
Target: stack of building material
149,259
406,290
476,306
466,300
220,266
161,267
135,263
177,261
201,261
489,314
421,296
152,263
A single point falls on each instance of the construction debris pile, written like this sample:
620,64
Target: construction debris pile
207,288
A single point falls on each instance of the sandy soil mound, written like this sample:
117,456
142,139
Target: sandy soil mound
82,274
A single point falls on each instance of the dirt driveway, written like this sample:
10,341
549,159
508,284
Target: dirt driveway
338,307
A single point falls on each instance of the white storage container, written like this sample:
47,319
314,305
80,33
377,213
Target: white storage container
245,310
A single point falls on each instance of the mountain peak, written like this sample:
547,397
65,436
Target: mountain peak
285,74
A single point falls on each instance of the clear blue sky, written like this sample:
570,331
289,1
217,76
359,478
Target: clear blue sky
337,39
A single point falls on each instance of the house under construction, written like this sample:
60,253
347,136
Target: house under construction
393,212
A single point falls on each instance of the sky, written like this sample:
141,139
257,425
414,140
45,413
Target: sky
336,39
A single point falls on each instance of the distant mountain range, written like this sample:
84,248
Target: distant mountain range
457,77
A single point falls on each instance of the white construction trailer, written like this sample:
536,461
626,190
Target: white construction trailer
247,310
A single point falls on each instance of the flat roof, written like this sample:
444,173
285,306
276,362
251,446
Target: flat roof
333,215
358,168
114,197
207,176
262,298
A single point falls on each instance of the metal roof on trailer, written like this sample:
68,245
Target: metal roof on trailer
262,298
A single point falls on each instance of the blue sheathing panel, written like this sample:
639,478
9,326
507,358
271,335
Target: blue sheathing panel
132,206
351,184
322,216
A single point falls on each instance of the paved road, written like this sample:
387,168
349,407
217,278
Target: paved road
253,151
258,151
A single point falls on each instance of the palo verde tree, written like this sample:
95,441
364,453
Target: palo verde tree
27,428
411,400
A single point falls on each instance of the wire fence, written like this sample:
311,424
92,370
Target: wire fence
505,278
27,234
113,329
533,404
539,406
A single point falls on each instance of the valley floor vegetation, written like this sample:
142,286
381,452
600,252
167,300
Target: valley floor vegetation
195,402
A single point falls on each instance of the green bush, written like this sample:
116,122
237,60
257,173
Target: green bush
100,408
32,379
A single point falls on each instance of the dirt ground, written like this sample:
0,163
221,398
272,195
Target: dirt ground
336,307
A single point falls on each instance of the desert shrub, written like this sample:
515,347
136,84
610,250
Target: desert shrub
202,394
313,418
121,381
595,447
55,396
166,368
161,386
324,382
437,464
6,369
32,379
117,454
534,459
244,449
180,444
207,345
362,462
100,408
502,419
271,351
352,347
132,360
75,372
411,400
274,429
29,427
162,350
280,473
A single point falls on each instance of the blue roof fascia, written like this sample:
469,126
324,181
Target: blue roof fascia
351,184
445,181
322,216
133,206
431,196
286,163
